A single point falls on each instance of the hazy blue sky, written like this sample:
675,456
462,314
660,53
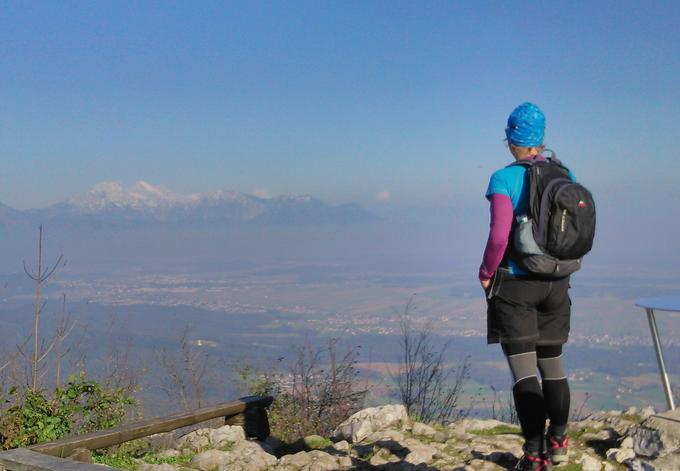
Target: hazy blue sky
342,100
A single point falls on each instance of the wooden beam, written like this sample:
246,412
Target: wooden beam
115,436
22,459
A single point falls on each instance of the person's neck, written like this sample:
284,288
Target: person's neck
528,157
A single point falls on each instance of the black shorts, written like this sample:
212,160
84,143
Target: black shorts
527,309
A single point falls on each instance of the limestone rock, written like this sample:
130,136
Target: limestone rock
378,460
251,454
458,434
420,454
295,461
205,438
615,420
312,461
344,462
627,443
195,441
226,435
244,455
210,460
473,425
411,443
341,446
385,439
156,467
658,435
483,465
666,463
418,428
590,463
620,455
370,420
385,436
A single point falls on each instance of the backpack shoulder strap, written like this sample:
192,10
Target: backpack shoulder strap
553,158
530,162
554,161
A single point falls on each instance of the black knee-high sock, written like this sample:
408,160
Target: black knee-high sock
530,411
557,398
555,387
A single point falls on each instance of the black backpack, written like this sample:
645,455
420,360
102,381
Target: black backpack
559,227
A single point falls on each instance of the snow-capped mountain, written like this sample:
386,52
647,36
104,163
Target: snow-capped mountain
112,204
141,196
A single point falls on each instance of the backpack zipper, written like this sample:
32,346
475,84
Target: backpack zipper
544,214
564,216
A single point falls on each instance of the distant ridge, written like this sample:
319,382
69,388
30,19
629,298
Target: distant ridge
111,204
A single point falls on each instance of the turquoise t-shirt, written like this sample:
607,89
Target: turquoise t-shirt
511,181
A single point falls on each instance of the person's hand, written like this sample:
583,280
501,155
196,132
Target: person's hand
485,284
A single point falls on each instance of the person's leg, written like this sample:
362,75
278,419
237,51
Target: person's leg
527,393
555,387
553,314
557,398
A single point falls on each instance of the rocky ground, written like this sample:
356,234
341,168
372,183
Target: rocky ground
385,438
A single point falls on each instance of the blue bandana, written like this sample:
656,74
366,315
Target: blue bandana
526,126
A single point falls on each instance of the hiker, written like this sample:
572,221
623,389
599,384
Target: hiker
529,313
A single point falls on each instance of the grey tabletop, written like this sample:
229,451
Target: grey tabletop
660,303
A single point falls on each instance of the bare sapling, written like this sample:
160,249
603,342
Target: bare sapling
41,275
430,390
185,370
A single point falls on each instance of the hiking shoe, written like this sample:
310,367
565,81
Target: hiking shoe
532,461
558,448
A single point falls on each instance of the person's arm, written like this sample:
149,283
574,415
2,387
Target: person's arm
499,233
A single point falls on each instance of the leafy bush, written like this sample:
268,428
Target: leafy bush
79,406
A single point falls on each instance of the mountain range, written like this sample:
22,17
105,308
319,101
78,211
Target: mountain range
111,204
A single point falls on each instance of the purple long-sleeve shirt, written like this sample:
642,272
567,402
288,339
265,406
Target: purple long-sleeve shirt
499,233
